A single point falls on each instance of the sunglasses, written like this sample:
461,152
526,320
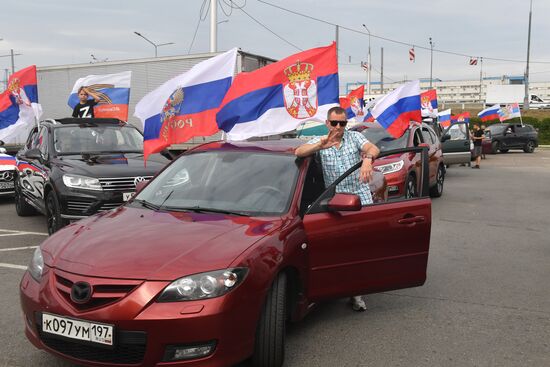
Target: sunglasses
336,122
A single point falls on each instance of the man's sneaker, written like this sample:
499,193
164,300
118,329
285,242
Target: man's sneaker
358,304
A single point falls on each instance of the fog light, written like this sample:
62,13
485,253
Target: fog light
393,189
183,352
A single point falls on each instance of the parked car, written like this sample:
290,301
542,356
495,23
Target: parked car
204,266
402,171
503,137
72,168
7,172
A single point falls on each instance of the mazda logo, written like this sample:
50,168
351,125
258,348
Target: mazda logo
138,179
6,176
81,292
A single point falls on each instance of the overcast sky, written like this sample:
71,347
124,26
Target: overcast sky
48,32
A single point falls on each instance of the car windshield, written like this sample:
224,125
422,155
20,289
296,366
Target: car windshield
384,141
97,139
232,182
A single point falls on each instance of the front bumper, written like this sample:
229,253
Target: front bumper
144,329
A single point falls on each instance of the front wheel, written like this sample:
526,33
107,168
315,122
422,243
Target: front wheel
529,147
494,147
22,208
53,214
269,350
437,190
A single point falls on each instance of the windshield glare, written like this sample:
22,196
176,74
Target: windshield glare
244,182
97,139
385,141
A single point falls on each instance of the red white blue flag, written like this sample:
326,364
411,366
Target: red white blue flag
428,103
444,118
463,117
186,106
19,108
113,91
280,96
354,104
509,111
490,113
398,108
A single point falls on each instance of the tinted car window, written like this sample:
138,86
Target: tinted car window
74,139
247,182
458,132
496,129
385,141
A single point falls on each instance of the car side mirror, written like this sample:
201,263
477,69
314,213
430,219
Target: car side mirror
33,154
445,137
140,185
344,202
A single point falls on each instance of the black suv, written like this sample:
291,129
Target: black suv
72,168
512,136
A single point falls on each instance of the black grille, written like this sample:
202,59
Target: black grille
81,205
129,348
120,183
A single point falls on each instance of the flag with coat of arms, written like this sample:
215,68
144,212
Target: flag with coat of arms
354,104
509,112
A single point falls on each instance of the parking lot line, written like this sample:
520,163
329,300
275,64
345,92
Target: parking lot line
11,232
13,266
18,248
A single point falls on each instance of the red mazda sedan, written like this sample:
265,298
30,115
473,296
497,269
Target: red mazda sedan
205,265
402,170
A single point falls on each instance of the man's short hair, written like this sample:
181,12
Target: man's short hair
337,110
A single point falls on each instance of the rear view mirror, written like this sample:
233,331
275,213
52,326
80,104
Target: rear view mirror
33,154
445,137
345,202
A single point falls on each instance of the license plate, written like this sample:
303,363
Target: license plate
77,329
127,195
6,185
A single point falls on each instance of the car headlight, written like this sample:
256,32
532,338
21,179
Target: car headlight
81,182
203,286
390,167
36,267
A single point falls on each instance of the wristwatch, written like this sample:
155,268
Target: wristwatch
369,156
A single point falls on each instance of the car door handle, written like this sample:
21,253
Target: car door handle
411,220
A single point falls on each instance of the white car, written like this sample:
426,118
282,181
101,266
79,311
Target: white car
7,173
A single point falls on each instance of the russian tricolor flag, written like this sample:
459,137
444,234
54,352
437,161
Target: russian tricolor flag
490,113
445,118
398,108
7,162
186,106
280,96
354,103
19,108
113,91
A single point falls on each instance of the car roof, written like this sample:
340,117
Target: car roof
87,121
275,146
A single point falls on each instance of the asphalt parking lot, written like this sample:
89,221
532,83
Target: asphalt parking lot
486,301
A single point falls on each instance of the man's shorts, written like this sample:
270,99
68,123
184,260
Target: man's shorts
477,150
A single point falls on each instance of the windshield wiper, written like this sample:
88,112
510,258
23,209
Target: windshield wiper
198,209
147,204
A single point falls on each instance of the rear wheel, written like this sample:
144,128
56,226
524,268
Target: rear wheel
437,190
22,208
410,187
269,350
529,147
53,213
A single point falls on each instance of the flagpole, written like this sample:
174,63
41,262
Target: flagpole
481,81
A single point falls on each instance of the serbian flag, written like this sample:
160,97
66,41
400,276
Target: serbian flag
113,91
490,113
354,103
398,108
445,118
428,103
509,111
463,117
280,96
19,108
186,106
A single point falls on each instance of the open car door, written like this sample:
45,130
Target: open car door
356,249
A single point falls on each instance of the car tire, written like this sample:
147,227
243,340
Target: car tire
494,147
529,147
22,208
53,214
269,350
410,187
437,190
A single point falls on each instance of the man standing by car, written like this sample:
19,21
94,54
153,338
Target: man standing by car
478,139
340,150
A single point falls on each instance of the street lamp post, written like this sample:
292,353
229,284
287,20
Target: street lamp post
431,60
155,45
526,99
368,63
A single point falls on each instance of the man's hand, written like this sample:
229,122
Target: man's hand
328,141
365,173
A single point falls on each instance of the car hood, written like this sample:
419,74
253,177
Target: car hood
111,165
134,243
